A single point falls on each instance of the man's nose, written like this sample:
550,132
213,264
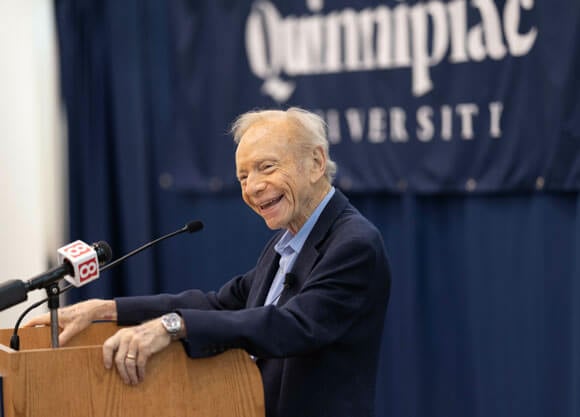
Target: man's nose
255,184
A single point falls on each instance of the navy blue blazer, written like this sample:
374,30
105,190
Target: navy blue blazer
318,348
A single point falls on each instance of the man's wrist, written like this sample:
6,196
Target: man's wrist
107,310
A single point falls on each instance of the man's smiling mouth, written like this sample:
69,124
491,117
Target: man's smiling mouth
270,203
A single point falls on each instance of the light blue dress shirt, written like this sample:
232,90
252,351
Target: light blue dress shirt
289,246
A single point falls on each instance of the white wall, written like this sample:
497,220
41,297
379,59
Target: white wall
32,148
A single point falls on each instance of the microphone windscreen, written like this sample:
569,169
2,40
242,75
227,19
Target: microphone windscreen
104,252
194,226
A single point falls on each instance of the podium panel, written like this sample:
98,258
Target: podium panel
39,381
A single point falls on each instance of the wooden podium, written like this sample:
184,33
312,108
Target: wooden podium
71,381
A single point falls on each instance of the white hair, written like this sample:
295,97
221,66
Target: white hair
311,126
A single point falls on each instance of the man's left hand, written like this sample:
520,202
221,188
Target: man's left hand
131,348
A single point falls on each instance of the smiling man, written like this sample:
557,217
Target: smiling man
310,312
281,171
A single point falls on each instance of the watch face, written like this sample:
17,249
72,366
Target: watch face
172,322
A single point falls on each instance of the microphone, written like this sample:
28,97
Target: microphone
80,262
79,265
191,227
103,252
289,280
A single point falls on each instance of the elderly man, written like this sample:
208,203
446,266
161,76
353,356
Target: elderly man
310,312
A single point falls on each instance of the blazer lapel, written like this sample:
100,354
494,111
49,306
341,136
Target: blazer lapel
309,253
265,273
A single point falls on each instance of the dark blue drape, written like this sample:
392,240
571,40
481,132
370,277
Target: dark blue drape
483,319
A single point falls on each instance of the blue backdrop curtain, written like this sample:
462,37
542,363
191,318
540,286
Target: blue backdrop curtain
483,319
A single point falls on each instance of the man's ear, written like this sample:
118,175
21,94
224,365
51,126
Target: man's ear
318,164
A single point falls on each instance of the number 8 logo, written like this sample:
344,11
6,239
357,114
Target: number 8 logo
88,270
77,249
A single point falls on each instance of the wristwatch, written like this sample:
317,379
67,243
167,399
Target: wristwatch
172,323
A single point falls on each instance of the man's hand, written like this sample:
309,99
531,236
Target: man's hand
77,317
130,349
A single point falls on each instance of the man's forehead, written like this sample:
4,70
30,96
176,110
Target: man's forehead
263,135
261,143
272,128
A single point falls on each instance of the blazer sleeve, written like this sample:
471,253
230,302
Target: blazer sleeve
232,296
136,309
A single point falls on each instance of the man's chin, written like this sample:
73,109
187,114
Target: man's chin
273,225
